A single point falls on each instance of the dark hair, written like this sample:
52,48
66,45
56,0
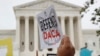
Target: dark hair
86,45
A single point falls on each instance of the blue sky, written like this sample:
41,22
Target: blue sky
7,16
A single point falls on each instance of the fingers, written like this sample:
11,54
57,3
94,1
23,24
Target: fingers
68,45
67,41
64,40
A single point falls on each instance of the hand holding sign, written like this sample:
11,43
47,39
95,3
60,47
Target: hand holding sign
49,29
66,48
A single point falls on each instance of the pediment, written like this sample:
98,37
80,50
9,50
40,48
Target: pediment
46,3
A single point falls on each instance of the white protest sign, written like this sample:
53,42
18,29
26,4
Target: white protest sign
49,29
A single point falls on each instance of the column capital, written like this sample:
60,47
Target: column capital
63,18
72,17
77,17
26,17
71,20
35,19
17,17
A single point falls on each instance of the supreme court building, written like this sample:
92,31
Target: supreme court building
27,28
27,35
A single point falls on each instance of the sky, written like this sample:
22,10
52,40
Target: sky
8,20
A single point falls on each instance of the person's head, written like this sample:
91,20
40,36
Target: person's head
86,45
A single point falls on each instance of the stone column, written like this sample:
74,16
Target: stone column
35,34
18,32
71,30
81,44
26,33
63,25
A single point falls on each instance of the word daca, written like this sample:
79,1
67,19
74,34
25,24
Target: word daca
51,34
48,23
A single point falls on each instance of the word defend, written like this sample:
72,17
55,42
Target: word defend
49,29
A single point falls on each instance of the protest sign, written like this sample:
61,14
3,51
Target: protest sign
7,49
49,29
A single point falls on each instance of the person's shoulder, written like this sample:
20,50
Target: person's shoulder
83,48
